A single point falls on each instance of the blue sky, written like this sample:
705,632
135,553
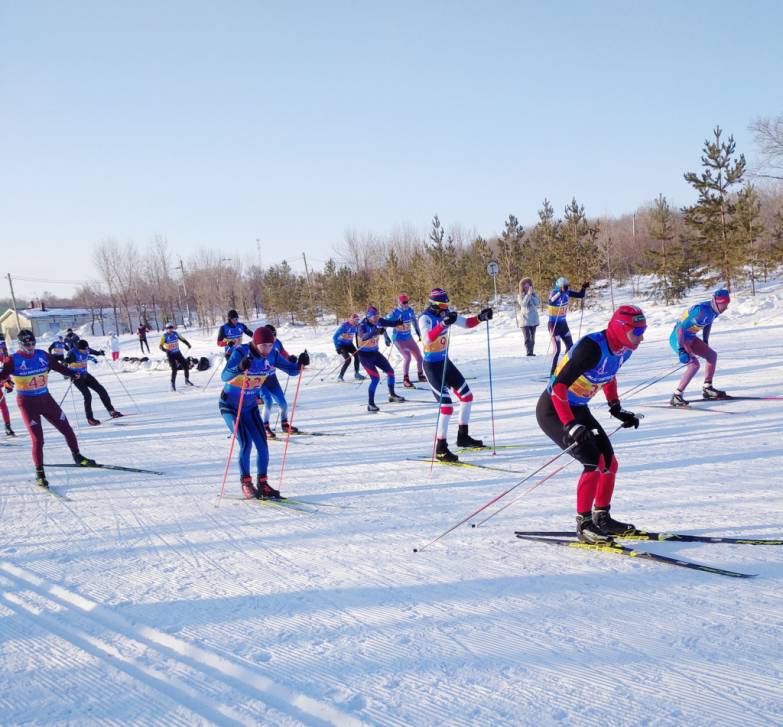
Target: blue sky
216,124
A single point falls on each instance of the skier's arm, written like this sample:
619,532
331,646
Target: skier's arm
55,365
162,341
51,346
336,338
431,332
280,361
463,322
554,297
705,333
388,322
95,353
366,332
8,367
583,357
184,341
246,330
415,321
579,294
221,337
231,369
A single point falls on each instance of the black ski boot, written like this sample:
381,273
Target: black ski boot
607,524
265,490
188,382
587,532
406,382
40,478
709,392
443,453
114,414
248,490
270,433
9,432
83,461
396,398
465,440
422,378
288,428
677,400
372,408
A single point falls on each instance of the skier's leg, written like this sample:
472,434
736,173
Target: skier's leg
99,389
82,386
56,417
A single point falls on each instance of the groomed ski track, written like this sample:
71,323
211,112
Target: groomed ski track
140,602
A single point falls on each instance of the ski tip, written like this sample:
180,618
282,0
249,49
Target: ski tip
415,550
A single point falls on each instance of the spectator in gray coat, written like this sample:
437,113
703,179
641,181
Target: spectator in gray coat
529,301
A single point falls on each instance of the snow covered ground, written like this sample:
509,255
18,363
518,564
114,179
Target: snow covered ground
138,601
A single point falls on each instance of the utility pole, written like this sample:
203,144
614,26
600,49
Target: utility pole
13,298
181,269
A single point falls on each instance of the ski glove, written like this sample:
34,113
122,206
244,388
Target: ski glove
586,284
303,359
292,359
628,418
576,433
683,355
485,315
386,339
449,318
244,364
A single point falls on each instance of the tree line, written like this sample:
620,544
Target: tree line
732,234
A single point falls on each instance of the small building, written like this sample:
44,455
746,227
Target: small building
43,322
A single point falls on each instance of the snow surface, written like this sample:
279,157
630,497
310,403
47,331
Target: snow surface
138,601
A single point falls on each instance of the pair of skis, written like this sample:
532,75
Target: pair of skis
566,539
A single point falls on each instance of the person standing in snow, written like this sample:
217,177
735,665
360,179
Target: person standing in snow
343,339
6,386
370,329
113,344
686,343
57,349
231,332
169,344
402,338
563,414
528,303
76,360
29,367
71,339
246,370
141,332
442,374
271,390
558,308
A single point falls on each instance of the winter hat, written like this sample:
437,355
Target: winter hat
403,298
263,335
372,311
625,318
231,314
561,282
439,298
82,345
355,318
722,296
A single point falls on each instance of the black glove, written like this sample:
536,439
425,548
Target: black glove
101,352
576,433
586,285
303,359
485,315
449,318
292,359
683,355
628,418
386,339
244,364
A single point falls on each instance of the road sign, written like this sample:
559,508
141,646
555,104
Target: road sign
493,268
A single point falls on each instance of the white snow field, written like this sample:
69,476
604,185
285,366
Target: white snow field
138,601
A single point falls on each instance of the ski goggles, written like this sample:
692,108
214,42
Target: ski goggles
638,331
440,305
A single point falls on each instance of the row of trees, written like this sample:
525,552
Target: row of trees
733,233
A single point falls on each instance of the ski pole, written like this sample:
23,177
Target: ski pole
495,499
536,484
491,397
70,384
285,388
291,423
440,403
328,363
111,368
644,385
581,315
75,411
214,371
233,438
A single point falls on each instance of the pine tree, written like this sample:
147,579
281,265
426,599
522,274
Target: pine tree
511,255
711,219
749,227
666,262
543,244
443,259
